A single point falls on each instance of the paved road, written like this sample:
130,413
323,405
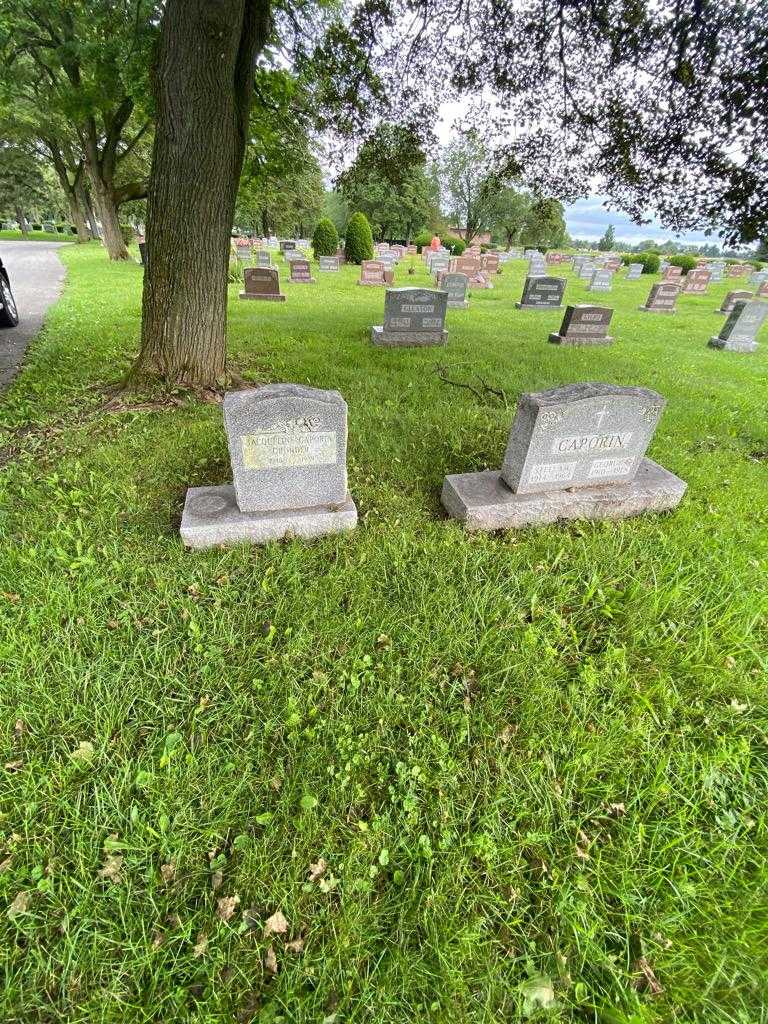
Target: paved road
36,274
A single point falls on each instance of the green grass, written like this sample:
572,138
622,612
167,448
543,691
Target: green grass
36,236
521,756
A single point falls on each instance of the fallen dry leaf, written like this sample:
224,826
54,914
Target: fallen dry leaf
84,751
270,961
157,939
5,864
216,880
617,810
111,869
13,766
275,925
168,872
20,904
647,980
507,733
200,946
295,945
251,919
581,854
19,729
226,906
317,870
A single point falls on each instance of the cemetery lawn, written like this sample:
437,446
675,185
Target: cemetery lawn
482,778
36,236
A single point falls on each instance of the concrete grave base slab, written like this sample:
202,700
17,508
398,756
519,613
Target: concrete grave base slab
732,346
458,305
211,518
482,501
372,284
559,339
647,309
264,298
312,280
407,339
520,305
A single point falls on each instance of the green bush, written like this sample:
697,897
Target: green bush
649,260
37,227
325,241
423,239
686,262
127,233
455,244
358,243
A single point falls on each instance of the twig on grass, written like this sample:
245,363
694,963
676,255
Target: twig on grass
480,393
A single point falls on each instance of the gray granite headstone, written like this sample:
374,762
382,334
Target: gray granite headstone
287,244
542,292
586,270
662,298
575,452
601,281
263,258
732,298
288,449
456,285
584,325
243,253
262,283
634,271
717,270
739,332
412,317
329,263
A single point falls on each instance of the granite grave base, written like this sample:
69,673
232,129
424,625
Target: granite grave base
212,518
526,305
649,309
732,346
407,339
263,298
482,501
561,339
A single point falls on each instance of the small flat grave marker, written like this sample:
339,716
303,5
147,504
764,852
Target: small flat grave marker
762,291
634,271
575,452
288,450
262,283
672,274
584,325
739,332
542,292
661,298
412,317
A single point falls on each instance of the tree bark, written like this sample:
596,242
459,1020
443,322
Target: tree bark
23,222
104,201
90,216
203,87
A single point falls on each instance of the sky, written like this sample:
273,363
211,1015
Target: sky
588,218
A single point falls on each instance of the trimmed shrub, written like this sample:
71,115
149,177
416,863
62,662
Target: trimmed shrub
649,260
325,241
686,262
358,243
454,243
423,239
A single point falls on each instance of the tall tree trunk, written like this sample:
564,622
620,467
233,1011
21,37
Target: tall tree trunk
23,222
203,87
85,201
104,202
78,217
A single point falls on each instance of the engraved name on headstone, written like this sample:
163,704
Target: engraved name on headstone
584,325
739,332
696,281
412,317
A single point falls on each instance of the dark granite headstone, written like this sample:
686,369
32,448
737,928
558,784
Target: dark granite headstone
732,298
739,332
262,283
456,285
542,292
412,317
584,325
301,272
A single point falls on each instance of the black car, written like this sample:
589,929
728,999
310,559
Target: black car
9,314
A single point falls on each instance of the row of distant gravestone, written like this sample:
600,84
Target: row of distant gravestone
574,452
416,316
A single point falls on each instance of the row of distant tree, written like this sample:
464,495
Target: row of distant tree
608,242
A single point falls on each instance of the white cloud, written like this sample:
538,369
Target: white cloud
588,218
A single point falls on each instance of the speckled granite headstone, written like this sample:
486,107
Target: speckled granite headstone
412,317
329,263
456,285
288,448
574,452
601,281
262,283
739,332
584,325
263,258
634,271
371,272
696,281
301,272
542,292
